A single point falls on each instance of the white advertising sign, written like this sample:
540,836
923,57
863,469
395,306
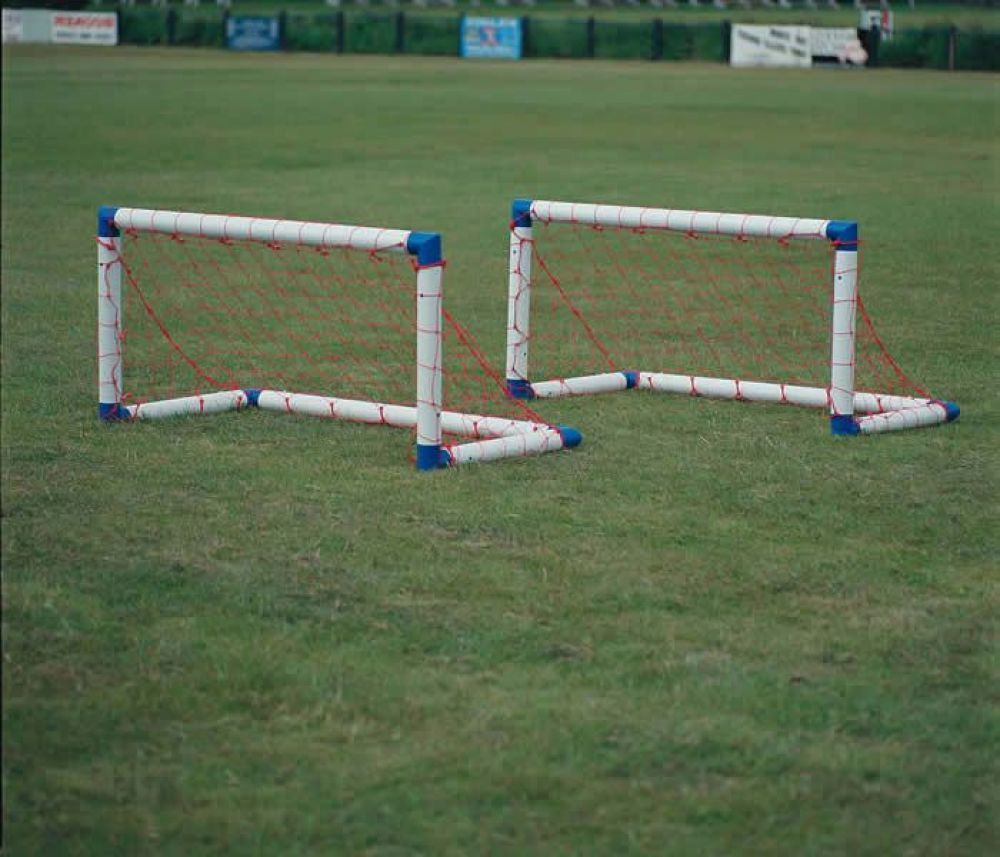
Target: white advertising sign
779,47
85,28
13,26
837,44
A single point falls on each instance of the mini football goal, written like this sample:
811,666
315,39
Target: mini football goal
204,313
729,306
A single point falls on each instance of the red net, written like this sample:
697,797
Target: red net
607,298
204,314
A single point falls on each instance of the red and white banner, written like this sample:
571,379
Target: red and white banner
85,28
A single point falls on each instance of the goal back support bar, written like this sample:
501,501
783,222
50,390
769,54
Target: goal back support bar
851,412
494,437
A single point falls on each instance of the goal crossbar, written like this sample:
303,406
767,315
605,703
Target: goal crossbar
851,411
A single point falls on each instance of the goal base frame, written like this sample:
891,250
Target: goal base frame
873,412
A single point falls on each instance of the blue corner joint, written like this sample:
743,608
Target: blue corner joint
430,456
253,396
112,412
843,425
843,233
520,213
951,410
571,437
426,247
106,222
518,388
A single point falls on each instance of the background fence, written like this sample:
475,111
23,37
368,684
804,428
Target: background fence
397,32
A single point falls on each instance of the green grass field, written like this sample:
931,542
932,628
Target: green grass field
712,629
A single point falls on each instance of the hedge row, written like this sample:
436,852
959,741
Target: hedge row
396,32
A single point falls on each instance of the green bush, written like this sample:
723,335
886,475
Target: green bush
142,26
927,48
565,38
316,33
199,29
431,35
678,42
618,40
369,33
977,51
708,42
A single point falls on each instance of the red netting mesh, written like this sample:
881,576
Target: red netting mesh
608,298
204,314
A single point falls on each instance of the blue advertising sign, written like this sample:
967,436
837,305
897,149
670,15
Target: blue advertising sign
491,38
251,33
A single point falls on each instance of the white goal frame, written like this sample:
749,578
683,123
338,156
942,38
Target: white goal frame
494,437
851,412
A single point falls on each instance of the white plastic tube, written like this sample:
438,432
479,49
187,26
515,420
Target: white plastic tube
842,333
930,414
262,229
209,403
400,416
729,388
519,302
678,220
429,356
605,382
542,439
109,321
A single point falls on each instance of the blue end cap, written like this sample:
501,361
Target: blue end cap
843,424
113,412
252,397
426,246
520,212
952,410
843,233
106,221
631,380
432,457
518,388
571,437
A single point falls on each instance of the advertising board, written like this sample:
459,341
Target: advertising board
84,28
491,38
252,33
776,47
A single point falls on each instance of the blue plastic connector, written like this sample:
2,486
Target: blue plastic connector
426,246
631,380
843,233
430,456
106,221
952,410
844,424
571,437
520,212
112,412
253,397
518,388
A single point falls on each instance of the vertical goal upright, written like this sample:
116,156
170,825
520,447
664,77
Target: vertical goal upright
204,313
733,306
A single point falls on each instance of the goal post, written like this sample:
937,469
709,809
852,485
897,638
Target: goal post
206,313
732,306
